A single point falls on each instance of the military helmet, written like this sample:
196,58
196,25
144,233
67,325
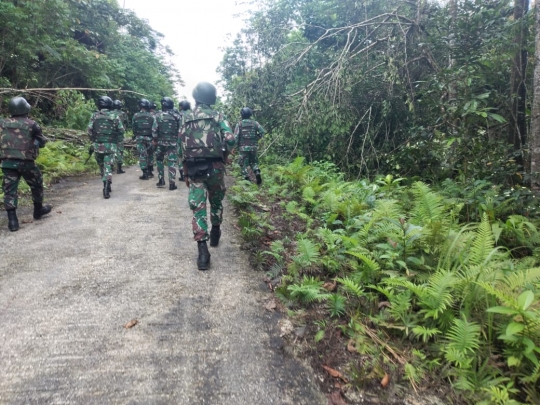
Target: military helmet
167,103
246,113
205,93
144,103
18,106
153,105
117,105
104,102
184,105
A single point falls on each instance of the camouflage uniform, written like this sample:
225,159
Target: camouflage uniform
165,132
142,124
204,136
120,144
20,140
247,134
104,128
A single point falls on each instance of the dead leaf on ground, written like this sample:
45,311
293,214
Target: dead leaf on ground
384,304
131,324
237,227
351,346
335,398
330,286
385,380
58,212
334,373
27,221
271,305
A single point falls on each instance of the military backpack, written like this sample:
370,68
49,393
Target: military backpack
104,128
168,126
16,141
142,124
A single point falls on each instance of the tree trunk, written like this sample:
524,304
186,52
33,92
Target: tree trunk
535,111
518,125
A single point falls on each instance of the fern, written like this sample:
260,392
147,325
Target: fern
351,287
462,341
309,290
336,305
483,243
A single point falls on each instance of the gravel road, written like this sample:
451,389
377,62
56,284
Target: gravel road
70,282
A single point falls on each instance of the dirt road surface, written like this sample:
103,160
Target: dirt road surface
70,282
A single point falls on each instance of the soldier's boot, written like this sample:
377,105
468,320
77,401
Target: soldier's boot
119,169
247,178
144,175
204,256
258,176
106,190
13,222
161,182
172,186
109,188
215,234
150,171
41,210
181,175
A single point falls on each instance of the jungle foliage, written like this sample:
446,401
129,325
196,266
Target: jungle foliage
432,285
409,88
79,44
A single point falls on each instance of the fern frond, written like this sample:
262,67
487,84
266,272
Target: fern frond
351,287
483,243
364,258
463,337
428,206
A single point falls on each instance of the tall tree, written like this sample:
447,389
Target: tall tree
535,111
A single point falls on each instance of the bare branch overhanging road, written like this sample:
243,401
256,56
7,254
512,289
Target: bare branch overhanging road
68,284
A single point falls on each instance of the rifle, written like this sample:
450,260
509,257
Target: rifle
90,152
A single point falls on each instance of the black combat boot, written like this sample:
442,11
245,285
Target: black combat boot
215,234
172,186
181,175
40,210
204,256
119,169
144,175
150,171
258,176
106,190
109,189
13,222
161,182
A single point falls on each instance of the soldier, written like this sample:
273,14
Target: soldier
104,128
151,151
142,125
206,140
247,134
184,107
20,140
117,106
165,140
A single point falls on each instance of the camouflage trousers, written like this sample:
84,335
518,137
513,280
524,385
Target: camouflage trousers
31,174
120,152
248,159
168,152
201,188
144,148
105,155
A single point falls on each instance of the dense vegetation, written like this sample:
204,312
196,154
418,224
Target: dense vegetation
79,44
398,157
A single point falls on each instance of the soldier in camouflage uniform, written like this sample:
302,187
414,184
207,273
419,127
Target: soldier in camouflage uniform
142,125
165,140
185,106
247,134
20,140
151,151
104,128
117,107
206,140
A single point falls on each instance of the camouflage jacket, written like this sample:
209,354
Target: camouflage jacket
20,138
166,127
124,118
247,134
105,126
205,134
142,124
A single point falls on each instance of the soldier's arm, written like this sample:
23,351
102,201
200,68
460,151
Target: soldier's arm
154,131
260,130
228,137
37,134
119,126
90,128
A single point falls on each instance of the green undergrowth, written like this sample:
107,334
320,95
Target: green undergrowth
434,285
